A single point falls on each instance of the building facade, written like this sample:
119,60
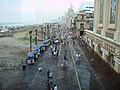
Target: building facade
81,23
84,19
105,37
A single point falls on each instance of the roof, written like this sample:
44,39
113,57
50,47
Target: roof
41,45
37,47
53,39
34,51
45,41
30,54
87,6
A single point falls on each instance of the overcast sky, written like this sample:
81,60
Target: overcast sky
35,10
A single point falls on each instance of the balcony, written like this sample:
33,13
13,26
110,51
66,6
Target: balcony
99,32
109,35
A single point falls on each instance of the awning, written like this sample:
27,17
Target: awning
37,47
53,39
45,41
34,51
42,45
30,55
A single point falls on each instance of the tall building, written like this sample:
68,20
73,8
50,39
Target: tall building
105,37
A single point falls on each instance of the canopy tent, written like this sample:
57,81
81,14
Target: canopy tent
34,51
30,55
45,41
53,39
42,45
37,47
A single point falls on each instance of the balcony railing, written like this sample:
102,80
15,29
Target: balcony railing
98,32
109,35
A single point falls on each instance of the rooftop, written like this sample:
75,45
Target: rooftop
88,7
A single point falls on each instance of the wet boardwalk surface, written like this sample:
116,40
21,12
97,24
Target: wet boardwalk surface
109,79
88,79
96,76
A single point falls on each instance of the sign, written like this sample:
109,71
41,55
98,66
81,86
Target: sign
105,51
117,60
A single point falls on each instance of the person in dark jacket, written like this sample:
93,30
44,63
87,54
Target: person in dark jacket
48,72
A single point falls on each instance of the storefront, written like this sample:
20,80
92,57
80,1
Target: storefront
99,50
92,44
117,64
108,56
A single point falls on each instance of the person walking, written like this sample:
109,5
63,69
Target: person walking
48,72
92,61
55,87
79,55
57,52
51,47
50,75
73,43
40,68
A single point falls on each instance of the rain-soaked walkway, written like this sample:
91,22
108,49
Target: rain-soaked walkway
88,79
106,76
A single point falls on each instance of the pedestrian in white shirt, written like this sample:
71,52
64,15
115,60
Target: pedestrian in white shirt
40,68
55,87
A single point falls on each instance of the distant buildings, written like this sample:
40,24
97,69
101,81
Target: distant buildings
105,37
67,18
70,15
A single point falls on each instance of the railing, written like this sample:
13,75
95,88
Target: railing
109,35
99,32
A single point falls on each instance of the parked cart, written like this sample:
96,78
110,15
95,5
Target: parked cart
30,58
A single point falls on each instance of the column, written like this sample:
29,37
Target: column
105,17
117,33
96,13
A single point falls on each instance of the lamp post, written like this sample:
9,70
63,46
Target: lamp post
45,33
30,33
36,37
42,32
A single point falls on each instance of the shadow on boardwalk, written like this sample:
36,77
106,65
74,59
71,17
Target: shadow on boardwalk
105,73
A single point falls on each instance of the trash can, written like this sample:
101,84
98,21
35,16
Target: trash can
23,67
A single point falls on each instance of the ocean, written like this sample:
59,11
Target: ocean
17,23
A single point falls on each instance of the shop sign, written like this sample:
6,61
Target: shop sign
117,60
105,51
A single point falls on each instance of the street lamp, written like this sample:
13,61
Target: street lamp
36,37
42,32
45,33
30,33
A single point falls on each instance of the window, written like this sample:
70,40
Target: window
101,11
112,11
82,17
82,26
